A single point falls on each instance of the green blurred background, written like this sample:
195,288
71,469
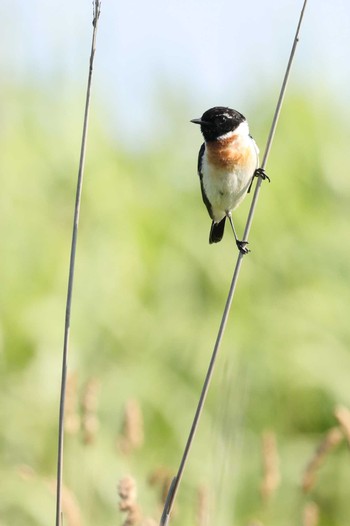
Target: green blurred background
149,290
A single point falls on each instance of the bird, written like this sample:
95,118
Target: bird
228,161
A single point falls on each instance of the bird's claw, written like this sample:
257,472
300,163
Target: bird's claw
242,247
259,172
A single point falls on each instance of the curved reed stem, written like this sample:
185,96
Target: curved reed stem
96,14
176,481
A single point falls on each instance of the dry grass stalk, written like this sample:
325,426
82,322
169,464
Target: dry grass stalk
26,472
132,436
90,423
311,514
203,506
127,501
333,437
342,414
70,508
270,459
72,418
149,522
161,478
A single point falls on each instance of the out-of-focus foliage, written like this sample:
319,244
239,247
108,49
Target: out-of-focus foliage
148,298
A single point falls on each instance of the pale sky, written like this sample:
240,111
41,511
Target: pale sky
209,52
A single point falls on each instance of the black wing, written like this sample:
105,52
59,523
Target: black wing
204,195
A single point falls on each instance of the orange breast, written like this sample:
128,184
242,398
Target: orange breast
228,153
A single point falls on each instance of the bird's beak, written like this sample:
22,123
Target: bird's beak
198,121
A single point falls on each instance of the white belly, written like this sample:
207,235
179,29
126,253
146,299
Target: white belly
226,189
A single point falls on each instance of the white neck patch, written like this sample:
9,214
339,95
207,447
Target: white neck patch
241,130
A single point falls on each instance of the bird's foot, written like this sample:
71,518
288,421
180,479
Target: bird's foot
259,172
242,247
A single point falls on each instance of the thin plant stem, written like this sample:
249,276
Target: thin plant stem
96,14
176,481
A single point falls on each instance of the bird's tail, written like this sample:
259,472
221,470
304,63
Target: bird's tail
217,231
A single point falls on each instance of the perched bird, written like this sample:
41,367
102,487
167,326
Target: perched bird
227,162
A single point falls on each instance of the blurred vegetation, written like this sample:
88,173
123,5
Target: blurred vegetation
148,297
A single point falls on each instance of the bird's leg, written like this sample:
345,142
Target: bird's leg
242,245
259,172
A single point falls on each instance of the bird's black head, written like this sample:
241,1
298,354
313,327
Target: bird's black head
218,121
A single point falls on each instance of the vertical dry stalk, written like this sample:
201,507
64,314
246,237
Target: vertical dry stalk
90,421
311,514
342,414
270,460
70,507
127,501
333,437
160,478
132,435
71,418
203,506
26,472
96,14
